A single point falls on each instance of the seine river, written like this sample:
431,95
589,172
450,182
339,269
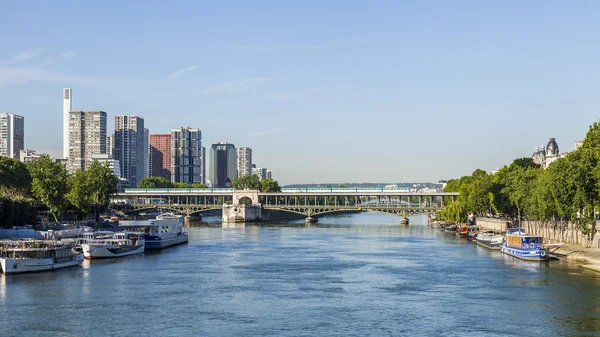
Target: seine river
349,275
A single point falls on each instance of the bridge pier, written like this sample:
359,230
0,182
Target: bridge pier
404,221
241,213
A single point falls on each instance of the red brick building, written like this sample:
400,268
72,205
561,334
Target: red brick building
160,156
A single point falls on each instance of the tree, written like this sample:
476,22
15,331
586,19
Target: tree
103,183
269,186
249,182
49,183
15,179
155,182
80,193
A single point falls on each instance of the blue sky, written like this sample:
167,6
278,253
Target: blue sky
336,91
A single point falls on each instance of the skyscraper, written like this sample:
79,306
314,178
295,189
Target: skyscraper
160,156
12,135
203,155
109,144
87,136
244,161
223,164
130,149
186,159
146,153
67,107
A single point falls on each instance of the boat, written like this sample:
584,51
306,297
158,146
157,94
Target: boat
462,230
473,231
116,245
519,244
30,256
164,231
489,239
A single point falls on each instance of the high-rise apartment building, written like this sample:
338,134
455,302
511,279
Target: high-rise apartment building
186,158
223,164
28,156
67,107
203,155
146,153
130,148
12,135
261,172
244,161
113,164
160,156
87,136
269,174
110,144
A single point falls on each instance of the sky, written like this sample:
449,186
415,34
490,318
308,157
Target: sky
322,91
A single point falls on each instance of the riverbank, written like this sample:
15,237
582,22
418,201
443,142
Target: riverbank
588,258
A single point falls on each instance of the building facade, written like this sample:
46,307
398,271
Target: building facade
223,164
203,155
160,156
260,172
244,161
28,156
545,156
269,174
186,159
12,135
147,153
67,107
110,146
130,148
113,164
87,136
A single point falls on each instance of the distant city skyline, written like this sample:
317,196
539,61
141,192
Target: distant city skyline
359,92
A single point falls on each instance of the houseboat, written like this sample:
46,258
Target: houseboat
490,240
164,231
116,245
30,256
519,244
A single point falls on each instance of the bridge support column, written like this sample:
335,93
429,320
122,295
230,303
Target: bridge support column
404,221
242,213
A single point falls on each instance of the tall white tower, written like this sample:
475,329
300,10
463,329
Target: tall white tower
66,108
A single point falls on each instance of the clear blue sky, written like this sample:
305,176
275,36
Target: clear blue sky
322,91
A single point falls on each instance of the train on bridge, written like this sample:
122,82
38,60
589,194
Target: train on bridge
283,190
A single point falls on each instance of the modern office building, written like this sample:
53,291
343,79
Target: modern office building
160,156
113,164
12,135
130,148
260,172
67,107
223,164
186,159
269,174
87,136
244,161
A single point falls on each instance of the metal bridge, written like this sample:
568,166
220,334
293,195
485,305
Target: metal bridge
305,201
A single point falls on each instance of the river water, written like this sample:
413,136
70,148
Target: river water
350,275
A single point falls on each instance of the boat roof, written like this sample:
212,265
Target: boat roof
133,225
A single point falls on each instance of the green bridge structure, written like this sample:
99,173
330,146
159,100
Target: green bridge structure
248,205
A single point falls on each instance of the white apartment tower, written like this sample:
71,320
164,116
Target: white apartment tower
130,148
244,161
87,136
12,135
67,106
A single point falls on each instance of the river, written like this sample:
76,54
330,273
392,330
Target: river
348,275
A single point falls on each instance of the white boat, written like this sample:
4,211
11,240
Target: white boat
524,246
164,231
490,240
30,256
114,245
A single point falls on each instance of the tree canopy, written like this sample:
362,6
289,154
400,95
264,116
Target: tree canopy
49,183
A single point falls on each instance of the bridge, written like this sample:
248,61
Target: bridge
247,205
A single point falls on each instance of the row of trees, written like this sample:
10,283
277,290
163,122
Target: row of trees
160,182
24,186
568,190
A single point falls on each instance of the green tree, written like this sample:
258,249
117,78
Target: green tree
15,179
103,184
269,186
80,195
250,182
49,184
155,182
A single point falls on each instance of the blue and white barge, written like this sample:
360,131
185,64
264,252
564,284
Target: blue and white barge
164,231
519,244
